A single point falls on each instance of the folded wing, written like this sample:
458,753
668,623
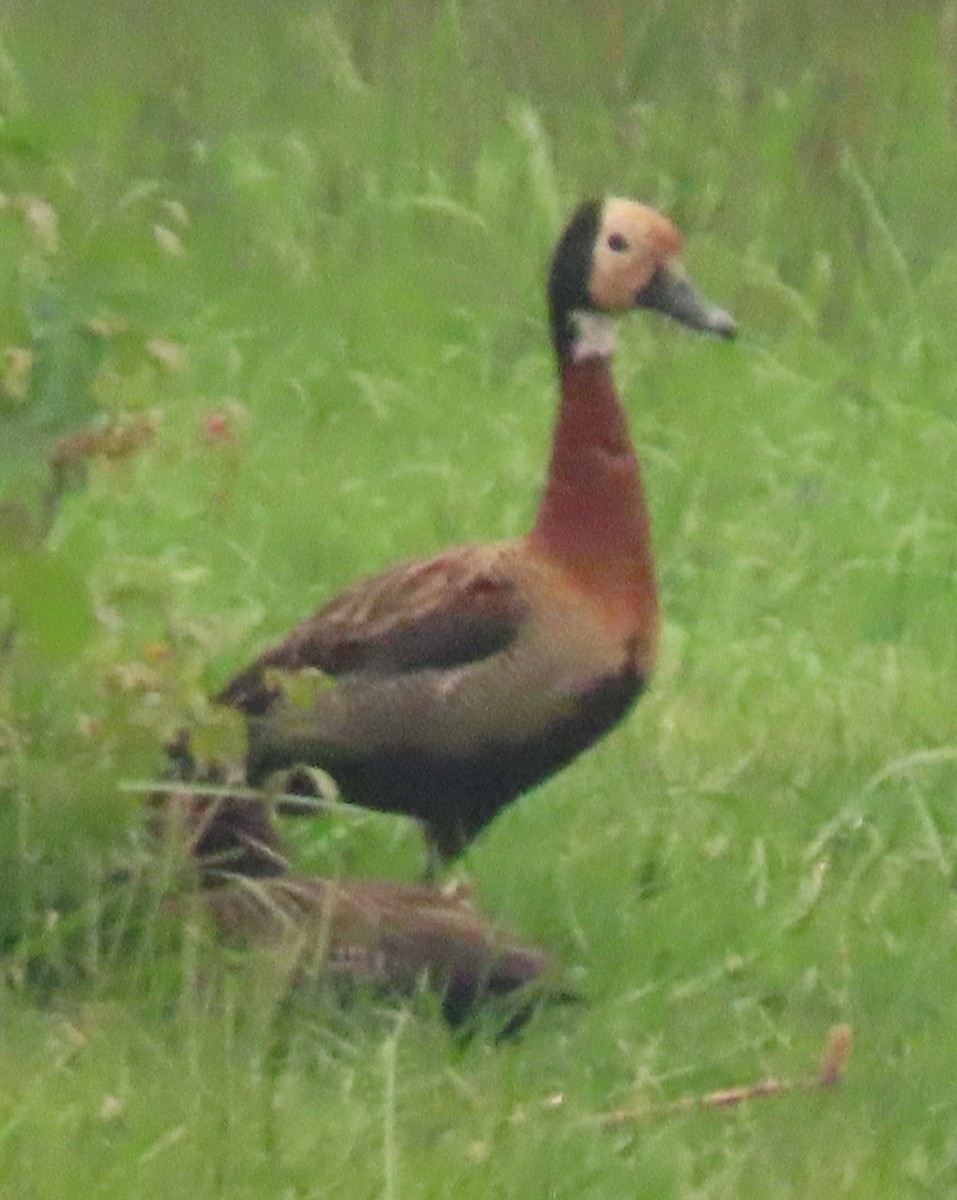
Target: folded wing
439,613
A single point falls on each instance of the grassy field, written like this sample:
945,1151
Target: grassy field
283,264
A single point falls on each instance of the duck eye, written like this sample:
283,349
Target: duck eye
617,242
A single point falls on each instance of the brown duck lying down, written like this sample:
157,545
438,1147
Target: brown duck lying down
386,936
450,685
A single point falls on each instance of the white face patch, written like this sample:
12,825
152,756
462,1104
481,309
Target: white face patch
595,336
633,242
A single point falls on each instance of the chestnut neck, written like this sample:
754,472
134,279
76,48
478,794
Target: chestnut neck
593,513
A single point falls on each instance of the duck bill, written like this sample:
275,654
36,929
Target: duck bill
674,295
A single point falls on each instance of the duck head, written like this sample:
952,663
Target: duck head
615,256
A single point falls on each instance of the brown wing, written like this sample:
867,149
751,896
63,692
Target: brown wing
442,612
384,934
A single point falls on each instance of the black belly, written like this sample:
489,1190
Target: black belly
457,796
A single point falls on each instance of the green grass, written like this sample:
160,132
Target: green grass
307,245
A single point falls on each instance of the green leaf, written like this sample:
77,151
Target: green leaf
51,602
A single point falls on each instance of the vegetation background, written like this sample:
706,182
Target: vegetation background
271,316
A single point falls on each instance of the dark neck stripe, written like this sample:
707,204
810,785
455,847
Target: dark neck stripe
570,273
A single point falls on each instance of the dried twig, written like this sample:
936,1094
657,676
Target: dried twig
831,1072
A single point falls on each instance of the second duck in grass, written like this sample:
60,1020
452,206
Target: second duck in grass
375,935
452,684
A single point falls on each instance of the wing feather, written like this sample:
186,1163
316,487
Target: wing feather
443,612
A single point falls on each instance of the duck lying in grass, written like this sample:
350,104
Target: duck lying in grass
373,934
